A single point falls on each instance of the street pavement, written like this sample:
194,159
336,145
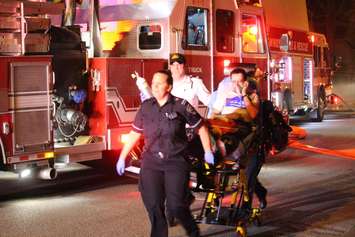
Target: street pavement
310,194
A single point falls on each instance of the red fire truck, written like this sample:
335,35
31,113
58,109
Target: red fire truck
49,117
299,61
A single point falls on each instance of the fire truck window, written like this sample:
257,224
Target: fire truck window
149,37
307,77
325,57
317,56
196,28
252,39
225,31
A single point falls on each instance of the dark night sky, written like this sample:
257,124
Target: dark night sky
336,19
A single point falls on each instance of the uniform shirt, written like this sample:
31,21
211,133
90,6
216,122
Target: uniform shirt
191,89
163,127
227,100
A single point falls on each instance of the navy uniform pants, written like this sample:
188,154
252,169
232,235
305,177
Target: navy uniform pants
166,179
252,171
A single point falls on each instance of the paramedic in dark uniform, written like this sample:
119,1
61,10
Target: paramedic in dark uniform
164,172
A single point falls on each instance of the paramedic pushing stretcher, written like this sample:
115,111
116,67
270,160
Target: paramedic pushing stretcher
192,90
164,172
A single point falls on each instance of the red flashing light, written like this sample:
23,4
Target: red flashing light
312,38
226,62
124,138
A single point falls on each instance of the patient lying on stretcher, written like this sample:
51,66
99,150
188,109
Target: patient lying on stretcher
232,136
232,140
234,110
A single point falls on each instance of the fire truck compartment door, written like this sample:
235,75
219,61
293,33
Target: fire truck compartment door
85,148
30,100
297,81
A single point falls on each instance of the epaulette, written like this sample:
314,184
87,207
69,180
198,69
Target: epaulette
193,77
184,102
149,100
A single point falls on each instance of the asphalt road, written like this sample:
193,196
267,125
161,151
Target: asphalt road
310,194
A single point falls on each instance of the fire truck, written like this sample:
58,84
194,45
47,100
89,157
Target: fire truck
299,65
77,103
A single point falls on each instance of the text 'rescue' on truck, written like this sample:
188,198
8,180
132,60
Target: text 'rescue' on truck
66,93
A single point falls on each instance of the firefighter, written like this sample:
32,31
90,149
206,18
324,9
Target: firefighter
193,90
240,98
187,87
164,172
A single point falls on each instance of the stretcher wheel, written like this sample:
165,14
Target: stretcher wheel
255,217
241,230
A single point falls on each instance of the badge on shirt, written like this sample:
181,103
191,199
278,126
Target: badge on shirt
236,102
171,116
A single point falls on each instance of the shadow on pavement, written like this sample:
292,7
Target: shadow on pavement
67,183
311,210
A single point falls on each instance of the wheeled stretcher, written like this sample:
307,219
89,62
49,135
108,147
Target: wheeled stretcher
225,185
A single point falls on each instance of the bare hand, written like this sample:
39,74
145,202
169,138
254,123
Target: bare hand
245,87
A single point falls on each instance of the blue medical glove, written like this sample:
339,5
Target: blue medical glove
120,166
209,158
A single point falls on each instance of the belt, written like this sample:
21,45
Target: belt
164,155
161,155
157,155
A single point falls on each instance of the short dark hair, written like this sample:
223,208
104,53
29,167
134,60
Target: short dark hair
169,77
239,71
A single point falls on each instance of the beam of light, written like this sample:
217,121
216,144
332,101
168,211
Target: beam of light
253,30
311,79
345,154
25,173
124,138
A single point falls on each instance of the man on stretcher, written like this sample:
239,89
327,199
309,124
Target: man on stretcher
236,99
235,107
234,113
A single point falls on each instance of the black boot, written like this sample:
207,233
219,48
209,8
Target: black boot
170,219
262,198
195,233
